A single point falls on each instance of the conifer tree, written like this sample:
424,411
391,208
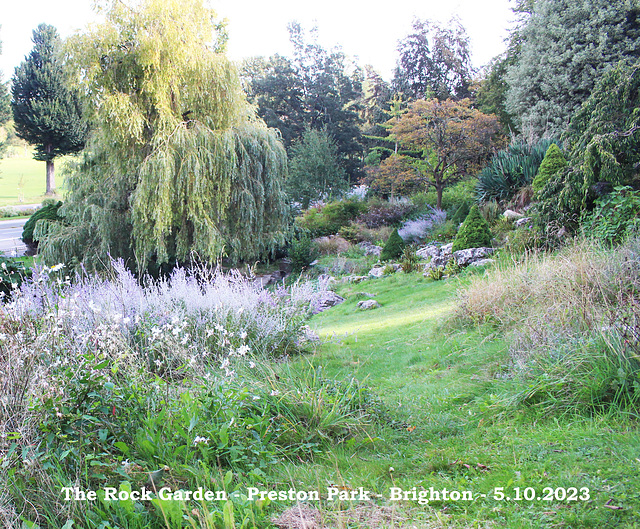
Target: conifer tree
178,161
46,110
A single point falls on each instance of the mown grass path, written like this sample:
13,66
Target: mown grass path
441,386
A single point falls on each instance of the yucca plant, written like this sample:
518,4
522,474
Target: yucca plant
510,170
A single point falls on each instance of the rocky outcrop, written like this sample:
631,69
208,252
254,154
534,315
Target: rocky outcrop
471,255
440,256
370,249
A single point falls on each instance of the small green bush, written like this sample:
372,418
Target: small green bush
615,217
328,219
12,274
553,162
302,252
410,261
474,232
47,212
461,213
394,247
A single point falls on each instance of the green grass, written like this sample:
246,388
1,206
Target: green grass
442,387
22,180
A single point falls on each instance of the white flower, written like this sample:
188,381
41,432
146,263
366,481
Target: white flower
243,335
255,397
57,267
274,393
252,365
243,350
198,440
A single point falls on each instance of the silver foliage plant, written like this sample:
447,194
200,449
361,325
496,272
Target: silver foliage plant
417,230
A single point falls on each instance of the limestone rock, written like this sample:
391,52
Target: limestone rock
376,271
521,222
370,249
512,215
482,262
470,255
325,299
368,304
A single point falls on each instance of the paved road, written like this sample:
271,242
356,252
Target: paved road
10,232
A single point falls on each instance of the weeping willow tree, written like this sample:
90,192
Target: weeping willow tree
177,161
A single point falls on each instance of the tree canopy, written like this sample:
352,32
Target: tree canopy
434,60
177,162
46,110
455,139
565,46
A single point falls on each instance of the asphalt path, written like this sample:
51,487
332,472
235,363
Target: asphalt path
10,232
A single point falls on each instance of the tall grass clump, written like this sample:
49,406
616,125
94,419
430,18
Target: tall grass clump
573,319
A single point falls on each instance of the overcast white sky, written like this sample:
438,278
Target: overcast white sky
259,27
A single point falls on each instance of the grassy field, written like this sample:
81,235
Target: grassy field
440,387
22,180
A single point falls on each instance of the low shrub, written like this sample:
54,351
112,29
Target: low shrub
331,245
616,216
452,197
474,232
410,261
421,228
393,248
302,252
47,212
328,219
385,214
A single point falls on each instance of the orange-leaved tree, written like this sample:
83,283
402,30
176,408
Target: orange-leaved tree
454,137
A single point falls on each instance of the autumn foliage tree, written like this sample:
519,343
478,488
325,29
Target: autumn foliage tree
395,175
454,137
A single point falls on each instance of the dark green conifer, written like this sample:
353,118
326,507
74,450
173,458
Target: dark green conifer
394,247
553,162
46,110
474,232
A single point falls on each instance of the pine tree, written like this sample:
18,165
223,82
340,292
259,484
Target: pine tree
178,161
46,110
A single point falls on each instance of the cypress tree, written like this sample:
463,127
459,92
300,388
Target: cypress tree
46,110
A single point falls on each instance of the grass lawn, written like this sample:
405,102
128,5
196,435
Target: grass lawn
22,180
440,386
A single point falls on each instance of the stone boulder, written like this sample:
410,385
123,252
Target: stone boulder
470,255
522,222
368,304
482,262
370,249
512,215
324,300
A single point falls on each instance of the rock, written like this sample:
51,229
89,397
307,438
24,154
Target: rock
561,232
354,279
512,215
482,262
522,221
446,249
325,300
440,260
470,255
376,271
269,279
368,304
428,252
370,249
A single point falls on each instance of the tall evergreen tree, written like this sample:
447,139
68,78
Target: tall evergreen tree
565,46
46,110
178,161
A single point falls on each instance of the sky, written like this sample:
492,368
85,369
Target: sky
259,27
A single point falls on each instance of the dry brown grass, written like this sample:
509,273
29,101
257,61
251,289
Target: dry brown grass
332,245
